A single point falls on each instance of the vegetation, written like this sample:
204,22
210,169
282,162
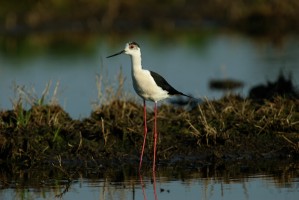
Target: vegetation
229,128
254,17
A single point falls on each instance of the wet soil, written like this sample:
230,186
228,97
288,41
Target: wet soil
229,129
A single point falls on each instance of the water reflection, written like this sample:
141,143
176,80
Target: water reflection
154,185
142,186
242,180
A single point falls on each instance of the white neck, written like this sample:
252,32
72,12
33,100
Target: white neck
136,62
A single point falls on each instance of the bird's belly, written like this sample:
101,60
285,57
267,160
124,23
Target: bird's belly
147,89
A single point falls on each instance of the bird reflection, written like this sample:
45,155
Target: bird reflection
143,186
154,185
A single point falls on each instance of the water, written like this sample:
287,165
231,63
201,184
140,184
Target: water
188,62
207,183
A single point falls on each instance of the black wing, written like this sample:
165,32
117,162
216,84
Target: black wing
161,82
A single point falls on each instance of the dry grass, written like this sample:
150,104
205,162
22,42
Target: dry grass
232,115
229,126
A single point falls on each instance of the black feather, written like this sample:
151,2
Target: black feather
161,82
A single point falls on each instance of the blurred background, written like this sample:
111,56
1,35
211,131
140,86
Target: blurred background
196,45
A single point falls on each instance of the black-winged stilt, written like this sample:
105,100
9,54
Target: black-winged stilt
149,86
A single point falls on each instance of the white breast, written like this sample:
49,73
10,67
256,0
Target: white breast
146,87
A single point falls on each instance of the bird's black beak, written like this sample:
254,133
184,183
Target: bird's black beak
116,54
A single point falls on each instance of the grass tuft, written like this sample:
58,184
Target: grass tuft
229,127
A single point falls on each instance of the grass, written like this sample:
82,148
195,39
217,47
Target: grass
252,16
231,127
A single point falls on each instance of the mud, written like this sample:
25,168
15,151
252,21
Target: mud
228,129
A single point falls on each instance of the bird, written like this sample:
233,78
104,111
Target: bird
150,86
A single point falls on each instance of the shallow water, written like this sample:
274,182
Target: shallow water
188,62
237,181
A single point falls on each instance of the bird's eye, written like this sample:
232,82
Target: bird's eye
131,46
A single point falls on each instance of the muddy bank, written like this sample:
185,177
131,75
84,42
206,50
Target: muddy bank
232,128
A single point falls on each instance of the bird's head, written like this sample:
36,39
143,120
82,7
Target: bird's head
132,48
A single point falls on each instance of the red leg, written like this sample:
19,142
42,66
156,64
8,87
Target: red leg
145,132
155,137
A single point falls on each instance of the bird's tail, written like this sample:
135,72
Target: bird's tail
191,97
